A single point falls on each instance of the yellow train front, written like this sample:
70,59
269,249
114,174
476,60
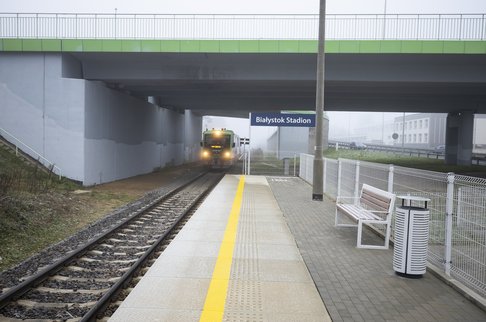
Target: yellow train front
219,148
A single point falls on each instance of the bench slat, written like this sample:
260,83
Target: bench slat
358,212
374,200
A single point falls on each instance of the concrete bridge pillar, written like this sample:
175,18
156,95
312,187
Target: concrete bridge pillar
459,138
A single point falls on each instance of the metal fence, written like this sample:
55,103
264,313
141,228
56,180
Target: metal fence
457,222
271,163
148,26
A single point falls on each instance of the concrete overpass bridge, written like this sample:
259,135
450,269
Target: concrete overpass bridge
231,65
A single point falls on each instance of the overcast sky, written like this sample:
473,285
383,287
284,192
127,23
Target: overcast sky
247,6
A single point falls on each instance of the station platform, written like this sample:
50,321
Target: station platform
280,258
235,260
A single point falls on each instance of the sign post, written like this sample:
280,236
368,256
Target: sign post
249,149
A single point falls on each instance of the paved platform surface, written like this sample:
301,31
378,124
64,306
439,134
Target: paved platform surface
266,278
360,284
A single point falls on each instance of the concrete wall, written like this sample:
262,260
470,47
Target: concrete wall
42,109
93,133
192,136
126,136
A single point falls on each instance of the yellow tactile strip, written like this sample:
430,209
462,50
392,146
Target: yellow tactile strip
216,297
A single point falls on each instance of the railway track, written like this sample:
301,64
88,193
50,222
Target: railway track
81,286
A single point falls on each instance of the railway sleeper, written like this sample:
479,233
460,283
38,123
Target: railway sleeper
34,304
123,241
133,247
65,291
84,279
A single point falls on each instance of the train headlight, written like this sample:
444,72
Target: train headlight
227,154
205,154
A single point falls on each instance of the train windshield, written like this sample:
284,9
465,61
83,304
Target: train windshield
220,141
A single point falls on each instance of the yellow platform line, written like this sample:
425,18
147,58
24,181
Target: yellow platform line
218,288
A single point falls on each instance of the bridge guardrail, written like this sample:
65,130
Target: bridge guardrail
232,26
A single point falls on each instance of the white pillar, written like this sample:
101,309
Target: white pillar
448,223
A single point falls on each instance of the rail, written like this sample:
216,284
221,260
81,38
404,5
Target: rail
232,26
18,144
142,209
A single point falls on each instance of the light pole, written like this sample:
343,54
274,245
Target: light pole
317,184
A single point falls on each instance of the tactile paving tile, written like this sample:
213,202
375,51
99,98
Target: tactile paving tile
244,299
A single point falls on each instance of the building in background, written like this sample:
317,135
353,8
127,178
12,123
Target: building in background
286,142
479,137
421,130
366,127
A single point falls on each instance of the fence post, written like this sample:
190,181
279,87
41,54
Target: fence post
356,182
295,162
338,192
390,178
300,164
448,223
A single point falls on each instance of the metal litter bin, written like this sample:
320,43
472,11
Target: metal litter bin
411,236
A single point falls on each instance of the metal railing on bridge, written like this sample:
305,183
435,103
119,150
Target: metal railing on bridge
229,26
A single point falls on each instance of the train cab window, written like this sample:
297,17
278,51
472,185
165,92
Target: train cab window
223,141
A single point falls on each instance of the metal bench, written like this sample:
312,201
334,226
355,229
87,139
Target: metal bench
374,206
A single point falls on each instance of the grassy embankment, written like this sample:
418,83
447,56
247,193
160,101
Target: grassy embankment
405,161
37,209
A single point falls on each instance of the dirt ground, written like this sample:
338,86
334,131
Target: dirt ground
137,186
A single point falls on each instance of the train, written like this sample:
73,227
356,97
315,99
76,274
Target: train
220,148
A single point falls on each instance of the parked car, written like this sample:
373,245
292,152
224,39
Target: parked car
440,148
357,146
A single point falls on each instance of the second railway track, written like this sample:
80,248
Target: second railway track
81,285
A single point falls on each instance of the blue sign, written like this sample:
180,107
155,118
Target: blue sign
281,119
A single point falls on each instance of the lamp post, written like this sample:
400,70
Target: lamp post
317,182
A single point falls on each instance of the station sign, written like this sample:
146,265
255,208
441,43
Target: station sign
283,119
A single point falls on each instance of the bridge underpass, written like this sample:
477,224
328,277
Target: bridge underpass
235,77
229,84
232,84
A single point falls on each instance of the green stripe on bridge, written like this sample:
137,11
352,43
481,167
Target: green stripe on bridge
244,46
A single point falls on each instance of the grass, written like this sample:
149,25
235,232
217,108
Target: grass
405,161
38,209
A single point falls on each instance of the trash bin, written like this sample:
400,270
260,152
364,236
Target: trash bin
411,236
